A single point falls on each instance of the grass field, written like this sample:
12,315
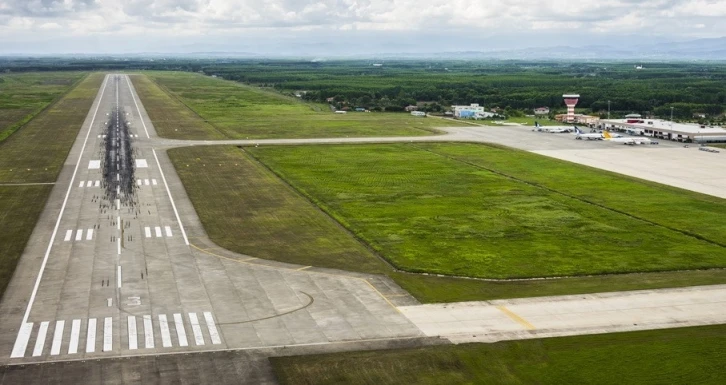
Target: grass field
263,217
237,111
24,95
432,208
674,356
254,212
35,154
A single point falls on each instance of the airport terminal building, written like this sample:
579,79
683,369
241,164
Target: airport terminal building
666,130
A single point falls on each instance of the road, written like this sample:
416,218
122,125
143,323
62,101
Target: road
119,265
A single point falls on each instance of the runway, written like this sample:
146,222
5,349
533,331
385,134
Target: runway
119,264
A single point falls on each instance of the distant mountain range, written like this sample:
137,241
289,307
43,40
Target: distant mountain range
713,49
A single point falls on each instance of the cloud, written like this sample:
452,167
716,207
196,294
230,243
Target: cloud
146,21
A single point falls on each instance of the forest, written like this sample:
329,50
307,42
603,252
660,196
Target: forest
517,87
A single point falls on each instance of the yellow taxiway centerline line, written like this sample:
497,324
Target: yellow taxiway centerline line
516,318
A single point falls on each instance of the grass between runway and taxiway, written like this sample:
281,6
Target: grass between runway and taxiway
673,356
248,210
238,111
482,211
35,154
24,95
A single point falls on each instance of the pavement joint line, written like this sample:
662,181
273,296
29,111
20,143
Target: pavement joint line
516,318
63,207
381,294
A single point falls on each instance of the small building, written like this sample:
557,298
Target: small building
578,118
418,113
467,111
411,108
541,111
360,109
341,112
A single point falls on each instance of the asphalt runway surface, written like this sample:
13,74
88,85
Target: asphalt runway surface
119,266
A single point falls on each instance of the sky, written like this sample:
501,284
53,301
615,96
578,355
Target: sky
319,27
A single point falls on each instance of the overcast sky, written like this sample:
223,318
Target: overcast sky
346,26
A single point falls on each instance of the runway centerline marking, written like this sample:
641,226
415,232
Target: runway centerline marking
63,208
516,318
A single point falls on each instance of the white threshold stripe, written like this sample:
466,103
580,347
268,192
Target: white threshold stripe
69,234
168,230
40,341
147,231
196,329
157,230
81,184
98,183
153,181
79,234
173,206
138,182
57,336
213,333
133,343
164,327
180,332
91,336
89,234
133,96
146,182
75,334
107,334
148,332
21,342
89,183
63,207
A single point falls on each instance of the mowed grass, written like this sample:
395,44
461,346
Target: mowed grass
431,208
246,208
23,95
172,119
249,210
35,154
674,356
239,111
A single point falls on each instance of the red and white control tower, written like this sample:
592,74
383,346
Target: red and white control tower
571,101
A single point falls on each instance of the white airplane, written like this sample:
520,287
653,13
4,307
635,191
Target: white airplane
628,141
553,130
581,135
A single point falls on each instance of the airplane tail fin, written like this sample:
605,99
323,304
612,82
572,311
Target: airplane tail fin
577,130
606,134
536,124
